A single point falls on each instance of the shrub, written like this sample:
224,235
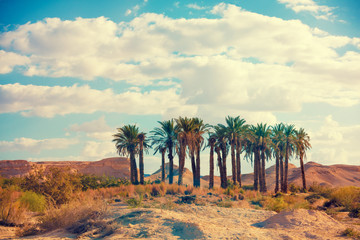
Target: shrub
324,191
348,197
313,197
293,188
248,187
134,203
12,213
68,214
349,232
33,201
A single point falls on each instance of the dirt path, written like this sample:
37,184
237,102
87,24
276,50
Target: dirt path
209,222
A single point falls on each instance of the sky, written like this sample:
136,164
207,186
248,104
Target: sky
73,71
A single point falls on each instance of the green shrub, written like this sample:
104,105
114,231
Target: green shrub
33,201
313,197
134,203
12,213
293,188
248,187
348,197
324,191
349,232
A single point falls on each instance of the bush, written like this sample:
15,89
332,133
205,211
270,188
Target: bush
348,197
33,201
134,203
313,197
324,191
12,213
349,232
293,188
70,213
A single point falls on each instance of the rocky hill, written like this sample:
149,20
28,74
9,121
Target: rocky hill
333,175
115,167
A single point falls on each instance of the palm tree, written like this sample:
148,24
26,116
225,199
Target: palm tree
277,137
261,140
141,137
302,143
212,141
199,129
185,130
126,142
221,149
232,136
241,135
163,176
289,140
166,136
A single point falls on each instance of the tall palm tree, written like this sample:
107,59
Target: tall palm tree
199,129
185,134
141,137
241,136
289,140
166,136
302,143
261,140
211,143
221,149
277,137
232,136
126,142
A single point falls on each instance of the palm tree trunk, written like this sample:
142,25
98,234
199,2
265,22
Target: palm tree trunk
163,151
260,171
193,166
223,151
233,162
277,173
264,189
197,166
141,162
302,171
256,170
134,169
281,172
211,181
171,164
181,162
238,163
223,184
286,168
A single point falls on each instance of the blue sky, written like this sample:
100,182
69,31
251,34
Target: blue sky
73,71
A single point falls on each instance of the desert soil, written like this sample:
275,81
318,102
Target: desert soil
204,222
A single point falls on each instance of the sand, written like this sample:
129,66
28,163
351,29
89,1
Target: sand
205,222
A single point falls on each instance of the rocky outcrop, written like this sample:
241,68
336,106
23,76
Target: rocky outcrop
114,167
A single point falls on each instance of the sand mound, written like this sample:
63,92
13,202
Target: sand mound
301,218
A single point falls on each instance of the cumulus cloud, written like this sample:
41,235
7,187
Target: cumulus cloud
333,143
8,60
195,6
83,99
242,61
35,145
319,11
98,150
97,129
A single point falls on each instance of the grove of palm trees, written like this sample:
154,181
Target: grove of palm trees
187,137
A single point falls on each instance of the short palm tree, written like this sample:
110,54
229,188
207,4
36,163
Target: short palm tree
165,136
126,142
289,141
221,149
142,144
302,143
277,137
185,138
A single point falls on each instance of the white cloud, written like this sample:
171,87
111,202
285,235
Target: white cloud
97,125
333,143
35,145
242,61
195,6
82,99
319,11
98,150
8,60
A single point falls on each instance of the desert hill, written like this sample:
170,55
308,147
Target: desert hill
187,176
333,175
115,167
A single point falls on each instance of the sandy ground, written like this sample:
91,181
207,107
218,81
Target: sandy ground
204,222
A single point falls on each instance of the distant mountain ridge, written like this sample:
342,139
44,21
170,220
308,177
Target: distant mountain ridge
333,175
114,167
